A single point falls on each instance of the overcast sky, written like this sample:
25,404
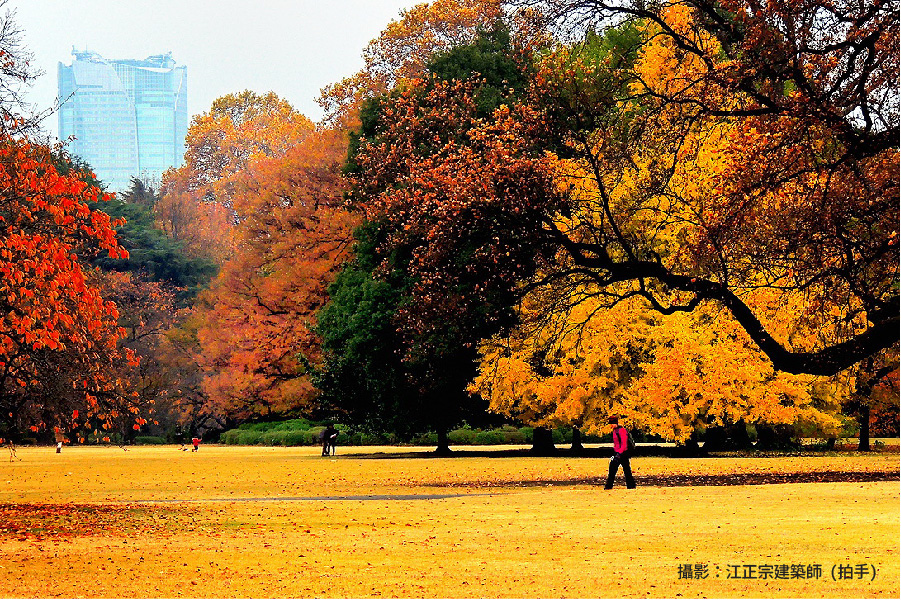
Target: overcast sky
290,47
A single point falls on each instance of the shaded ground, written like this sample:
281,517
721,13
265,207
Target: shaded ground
680,480
606,451
700,480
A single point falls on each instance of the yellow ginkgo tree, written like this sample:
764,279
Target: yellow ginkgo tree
672,376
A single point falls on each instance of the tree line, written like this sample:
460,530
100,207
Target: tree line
549,212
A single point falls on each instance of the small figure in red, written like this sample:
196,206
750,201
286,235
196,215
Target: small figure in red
196,442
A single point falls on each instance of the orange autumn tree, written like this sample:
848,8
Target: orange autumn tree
238,129
197,204
625,175
403,49
291,237
200,227
147,311
58,335
874,400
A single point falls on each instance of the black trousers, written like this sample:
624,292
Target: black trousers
615,462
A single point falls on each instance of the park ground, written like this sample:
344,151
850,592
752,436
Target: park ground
382,522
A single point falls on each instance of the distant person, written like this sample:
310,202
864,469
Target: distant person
621,451
12,451
196,444
329,438
59,447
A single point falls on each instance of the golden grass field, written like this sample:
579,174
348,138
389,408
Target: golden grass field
286,522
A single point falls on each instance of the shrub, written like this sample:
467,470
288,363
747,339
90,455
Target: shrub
371,439
558,437
273,438
229,437
147,440
511,435
486,438
248,437
291,425
297,438
254,426
461,437
426,439
301,432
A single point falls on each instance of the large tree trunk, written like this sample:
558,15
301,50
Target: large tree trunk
577,447
868,380
443,448
542,442
863,445
691,448
774,437
47,435
739,435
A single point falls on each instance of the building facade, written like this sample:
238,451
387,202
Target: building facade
126,118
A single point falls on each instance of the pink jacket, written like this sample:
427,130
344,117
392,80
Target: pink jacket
620,440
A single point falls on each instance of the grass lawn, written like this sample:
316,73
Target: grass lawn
285,522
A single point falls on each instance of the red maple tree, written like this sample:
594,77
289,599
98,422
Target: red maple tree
58,335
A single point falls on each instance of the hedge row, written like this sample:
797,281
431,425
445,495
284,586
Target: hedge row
271,434
150,440
301,437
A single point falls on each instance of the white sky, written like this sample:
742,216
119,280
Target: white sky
290,47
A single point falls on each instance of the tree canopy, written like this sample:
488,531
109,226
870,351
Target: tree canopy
684,213
151,253
427,359
58,335
257,318
402,50
686,175
794,108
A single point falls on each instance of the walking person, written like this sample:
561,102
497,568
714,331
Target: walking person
329,438
12,451
621,451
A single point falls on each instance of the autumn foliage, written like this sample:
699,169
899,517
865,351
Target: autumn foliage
257,318
58,335
684,213
680,182
403,49
432,175
197,205
671,376
745,147
718,180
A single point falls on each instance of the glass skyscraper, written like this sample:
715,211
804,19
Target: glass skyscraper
127,118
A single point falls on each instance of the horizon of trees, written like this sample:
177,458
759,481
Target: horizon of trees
548,212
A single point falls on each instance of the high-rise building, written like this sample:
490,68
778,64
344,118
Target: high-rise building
128,118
